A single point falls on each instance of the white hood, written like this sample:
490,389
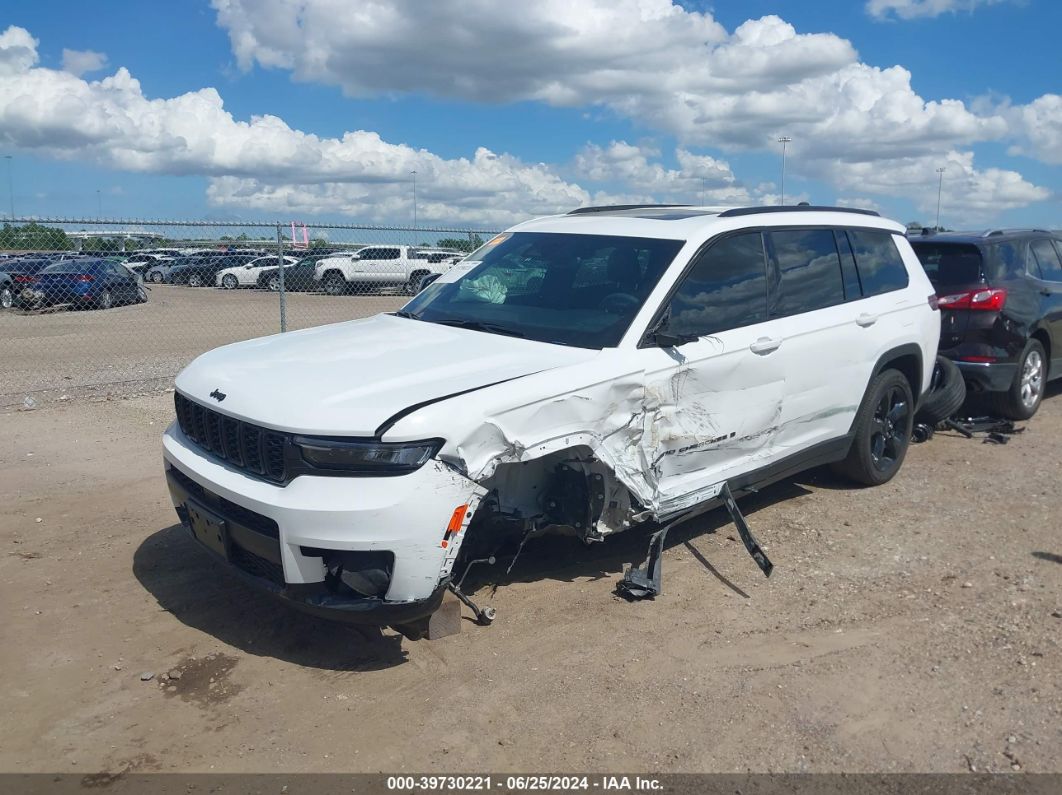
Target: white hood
347,379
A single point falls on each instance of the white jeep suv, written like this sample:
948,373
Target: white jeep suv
582,374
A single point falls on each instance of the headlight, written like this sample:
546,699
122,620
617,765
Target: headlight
368,456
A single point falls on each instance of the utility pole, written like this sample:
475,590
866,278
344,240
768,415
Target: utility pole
785,139
414,173
99,205
10,187
702,191
940,185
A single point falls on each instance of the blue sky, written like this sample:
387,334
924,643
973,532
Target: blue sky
573,107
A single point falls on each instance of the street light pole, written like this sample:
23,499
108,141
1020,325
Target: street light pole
10,187
414,173
99,205
940,185
785,139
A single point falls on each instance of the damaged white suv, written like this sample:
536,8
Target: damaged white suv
584,373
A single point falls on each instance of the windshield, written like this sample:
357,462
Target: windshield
580,290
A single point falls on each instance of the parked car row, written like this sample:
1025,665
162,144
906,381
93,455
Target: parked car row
80,282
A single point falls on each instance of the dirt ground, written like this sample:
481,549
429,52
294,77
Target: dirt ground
911,627
70,352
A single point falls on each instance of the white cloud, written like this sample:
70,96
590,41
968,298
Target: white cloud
653,61
80,62
261,163
18,51
914,9
699,178
1040,124
968,194
859,128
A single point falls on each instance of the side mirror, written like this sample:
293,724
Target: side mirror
661,336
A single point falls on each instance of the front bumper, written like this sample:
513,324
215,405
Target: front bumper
278,532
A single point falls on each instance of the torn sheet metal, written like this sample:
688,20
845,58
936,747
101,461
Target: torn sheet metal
670,437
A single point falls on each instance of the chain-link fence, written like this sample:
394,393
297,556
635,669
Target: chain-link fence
94,304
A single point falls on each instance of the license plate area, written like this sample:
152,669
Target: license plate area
209,529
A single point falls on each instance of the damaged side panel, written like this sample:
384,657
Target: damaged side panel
661,438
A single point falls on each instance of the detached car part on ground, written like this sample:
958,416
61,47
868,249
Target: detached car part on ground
583,374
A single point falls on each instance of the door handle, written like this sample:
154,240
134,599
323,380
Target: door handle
1046,292
765,345
865,319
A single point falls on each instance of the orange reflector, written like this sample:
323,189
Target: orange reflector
444,543
457,519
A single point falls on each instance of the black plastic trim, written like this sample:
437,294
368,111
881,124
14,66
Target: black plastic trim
805,208
611,208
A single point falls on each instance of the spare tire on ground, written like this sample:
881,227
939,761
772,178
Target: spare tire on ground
947,393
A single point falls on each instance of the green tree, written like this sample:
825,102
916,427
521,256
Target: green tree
473,242
33,237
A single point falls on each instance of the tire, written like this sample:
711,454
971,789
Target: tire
947,395
141,294
334,283
882,431
155,277
195,280
7,298
1022,400
274,284
106,300
229,282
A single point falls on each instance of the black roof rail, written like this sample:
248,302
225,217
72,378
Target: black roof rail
1013,231
800,208
608,208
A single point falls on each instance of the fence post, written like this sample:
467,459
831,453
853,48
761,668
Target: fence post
280,280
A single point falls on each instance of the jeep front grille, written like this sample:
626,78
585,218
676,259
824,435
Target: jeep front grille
248,447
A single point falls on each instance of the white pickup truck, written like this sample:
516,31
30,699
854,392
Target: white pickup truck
378,266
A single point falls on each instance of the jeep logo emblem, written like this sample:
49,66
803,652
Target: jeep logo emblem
218,395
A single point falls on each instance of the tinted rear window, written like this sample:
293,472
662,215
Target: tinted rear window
951,263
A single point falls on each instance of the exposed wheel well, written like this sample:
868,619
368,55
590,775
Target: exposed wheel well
1041,336
908,363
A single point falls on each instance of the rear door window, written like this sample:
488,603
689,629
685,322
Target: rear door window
726,288
1045,256
881,269
809,271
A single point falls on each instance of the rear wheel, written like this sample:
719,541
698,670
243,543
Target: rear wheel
1023,398
274,284
156,277
229,282
334,284
106,300
195,280
882,431
7,298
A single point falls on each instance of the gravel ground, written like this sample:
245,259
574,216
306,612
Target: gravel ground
51,353
911,627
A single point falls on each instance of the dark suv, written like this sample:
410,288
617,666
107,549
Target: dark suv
1000,296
